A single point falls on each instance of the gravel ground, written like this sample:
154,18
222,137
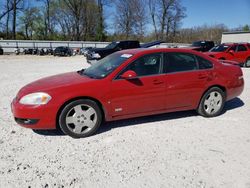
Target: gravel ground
170,150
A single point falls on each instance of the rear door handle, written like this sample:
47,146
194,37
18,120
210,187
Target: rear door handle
157,82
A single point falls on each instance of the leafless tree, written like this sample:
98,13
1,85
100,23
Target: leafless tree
78,19
140,17
6,9
101,5
152,5
205,32
130,17
76,11
16,5
166,17
48,6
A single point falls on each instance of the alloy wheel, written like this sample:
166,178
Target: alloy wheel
213,102
81,119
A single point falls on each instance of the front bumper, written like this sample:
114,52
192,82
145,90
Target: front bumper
34,116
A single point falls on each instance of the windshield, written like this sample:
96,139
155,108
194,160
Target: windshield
105,66
219,48
112,45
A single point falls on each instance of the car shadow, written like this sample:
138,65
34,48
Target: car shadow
55,132
233,104
107,126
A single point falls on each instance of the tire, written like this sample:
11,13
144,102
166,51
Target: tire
247,63
80,118
212,102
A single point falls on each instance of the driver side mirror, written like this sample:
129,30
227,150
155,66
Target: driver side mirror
129,75
231,52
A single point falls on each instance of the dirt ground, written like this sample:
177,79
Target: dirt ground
170,150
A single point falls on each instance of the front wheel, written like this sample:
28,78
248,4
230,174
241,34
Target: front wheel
212,103
80,118
247,63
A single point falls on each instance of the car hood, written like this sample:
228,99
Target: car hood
101,50
54,82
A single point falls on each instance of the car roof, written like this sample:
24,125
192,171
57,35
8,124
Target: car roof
232,43
155,50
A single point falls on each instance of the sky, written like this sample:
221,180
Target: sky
232,13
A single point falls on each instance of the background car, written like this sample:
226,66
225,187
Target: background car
84,51
99,53
238,52
128,84
32,51
1,51
62,51
202,46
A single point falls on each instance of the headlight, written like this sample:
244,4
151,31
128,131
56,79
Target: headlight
96,55
35,98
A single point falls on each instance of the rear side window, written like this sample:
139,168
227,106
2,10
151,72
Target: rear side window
203,63
133,44
241,48
123,45
179,62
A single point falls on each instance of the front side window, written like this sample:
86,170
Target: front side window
112,45
233,48
146,65
179,62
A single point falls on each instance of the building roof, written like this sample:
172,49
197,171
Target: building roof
236,32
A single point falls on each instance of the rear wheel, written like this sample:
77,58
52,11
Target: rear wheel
80,118
247,63
212,103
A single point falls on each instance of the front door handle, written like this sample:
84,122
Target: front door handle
202,76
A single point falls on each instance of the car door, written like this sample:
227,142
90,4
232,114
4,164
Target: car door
143,94
185,81
241,53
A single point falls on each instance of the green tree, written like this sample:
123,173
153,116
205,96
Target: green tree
31,22
246,28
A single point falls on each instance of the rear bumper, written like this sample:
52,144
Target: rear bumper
34,117
236,89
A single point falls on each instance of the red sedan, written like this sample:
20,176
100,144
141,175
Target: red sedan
237,52
128,84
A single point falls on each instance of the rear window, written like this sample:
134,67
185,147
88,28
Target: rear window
179,62
204,63
241,48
